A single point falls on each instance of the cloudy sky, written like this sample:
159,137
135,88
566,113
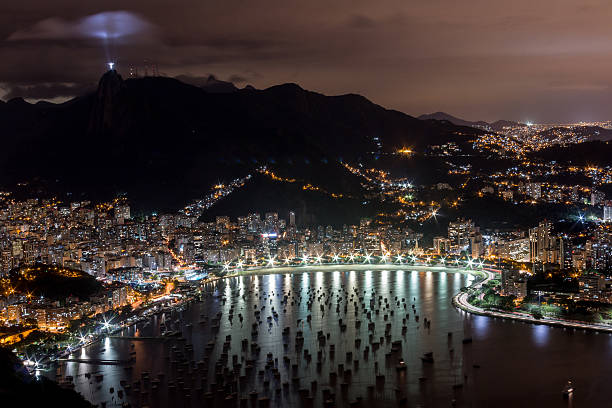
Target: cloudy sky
544,60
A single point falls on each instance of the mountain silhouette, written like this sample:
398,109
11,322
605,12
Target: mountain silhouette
165,142
494,126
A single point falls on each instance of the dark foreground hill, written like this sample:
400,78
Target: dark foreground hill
164,142
313,205
19,389
53,282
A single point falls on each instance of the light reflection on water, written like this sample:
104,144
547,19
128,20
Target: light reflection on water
505,350
540,335
480,325
399,279
457,276
319,279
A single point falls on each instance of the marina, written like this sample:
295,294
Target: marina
337,338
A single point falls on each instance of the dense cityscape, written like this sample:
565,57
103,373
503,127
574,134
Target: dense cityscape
75,272
137,259
307,204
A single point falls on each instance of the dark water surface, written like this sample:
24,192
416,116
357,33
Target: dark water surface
519,364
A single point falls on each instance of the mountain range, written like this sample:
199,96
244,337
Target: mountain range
494,126
164,142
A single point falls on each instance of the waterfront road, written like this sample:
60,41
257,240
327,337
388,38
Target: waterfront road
460,300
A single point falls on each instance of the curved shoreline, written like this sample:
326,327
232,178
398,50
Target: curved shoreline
459,300
283,270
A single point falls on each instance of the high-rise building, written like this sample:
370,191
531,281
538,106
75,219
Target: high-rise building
534,190
517,249
476,244
291,218
591,286
607,212
513,284
565,253
459,234
254,222
441,245
122,213
13,313
540,241
597,197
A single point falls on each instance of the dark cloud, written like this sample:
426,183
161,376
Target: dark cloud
47,91
541,60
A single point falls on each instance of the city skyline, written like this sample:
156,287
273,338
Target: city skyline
305,204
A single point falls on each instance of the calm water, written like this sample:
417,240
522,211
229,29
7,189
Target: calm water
520,364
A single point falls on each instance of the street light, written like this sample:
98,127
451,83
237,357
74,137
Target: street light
271,261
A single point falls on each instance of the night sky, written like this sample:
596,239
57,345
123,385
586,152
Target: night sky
528,60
